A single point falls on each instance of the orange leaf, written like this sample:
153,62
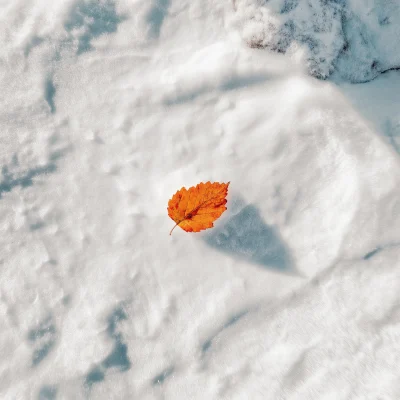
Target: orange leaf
196,208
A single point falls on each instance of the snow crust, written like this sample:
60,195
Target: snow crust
108,109
355,37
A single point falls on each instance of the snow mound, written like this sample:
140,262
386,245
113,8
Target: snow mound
107,109
357,38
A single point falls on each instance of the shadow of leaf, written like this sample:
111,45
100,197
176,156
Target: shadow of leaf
247,236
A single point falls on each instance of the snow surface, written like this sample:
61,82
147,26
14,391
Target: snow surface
108,109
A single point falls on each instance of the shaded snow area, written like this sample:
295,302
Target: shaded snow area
355,37
107,109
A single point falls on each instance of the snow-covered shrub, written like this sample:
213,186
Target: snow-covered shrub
357,37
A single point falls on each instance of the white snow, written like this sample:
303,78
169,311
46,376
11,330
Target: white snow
107,110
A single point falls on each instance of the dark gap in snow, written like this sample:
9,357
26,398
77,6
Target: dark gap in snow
379,249
49,94
346,47
247,236
156,16
206,345
372,253
44,338
235,319
391,69
160,378
47,393
375,64
89,20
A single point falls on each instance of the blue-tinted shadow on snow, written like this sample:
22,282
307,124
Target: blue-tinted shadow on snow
48,393
49,94
43,338
91,19
160,378
9,180
245,235
118,358
227,85
157,15
206,346
392,132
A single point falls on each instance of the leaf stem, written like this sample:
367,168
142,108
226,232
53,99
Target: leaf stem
173,229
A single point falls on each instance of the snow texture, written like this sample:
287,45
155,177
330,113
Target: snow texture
107,109
353,37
